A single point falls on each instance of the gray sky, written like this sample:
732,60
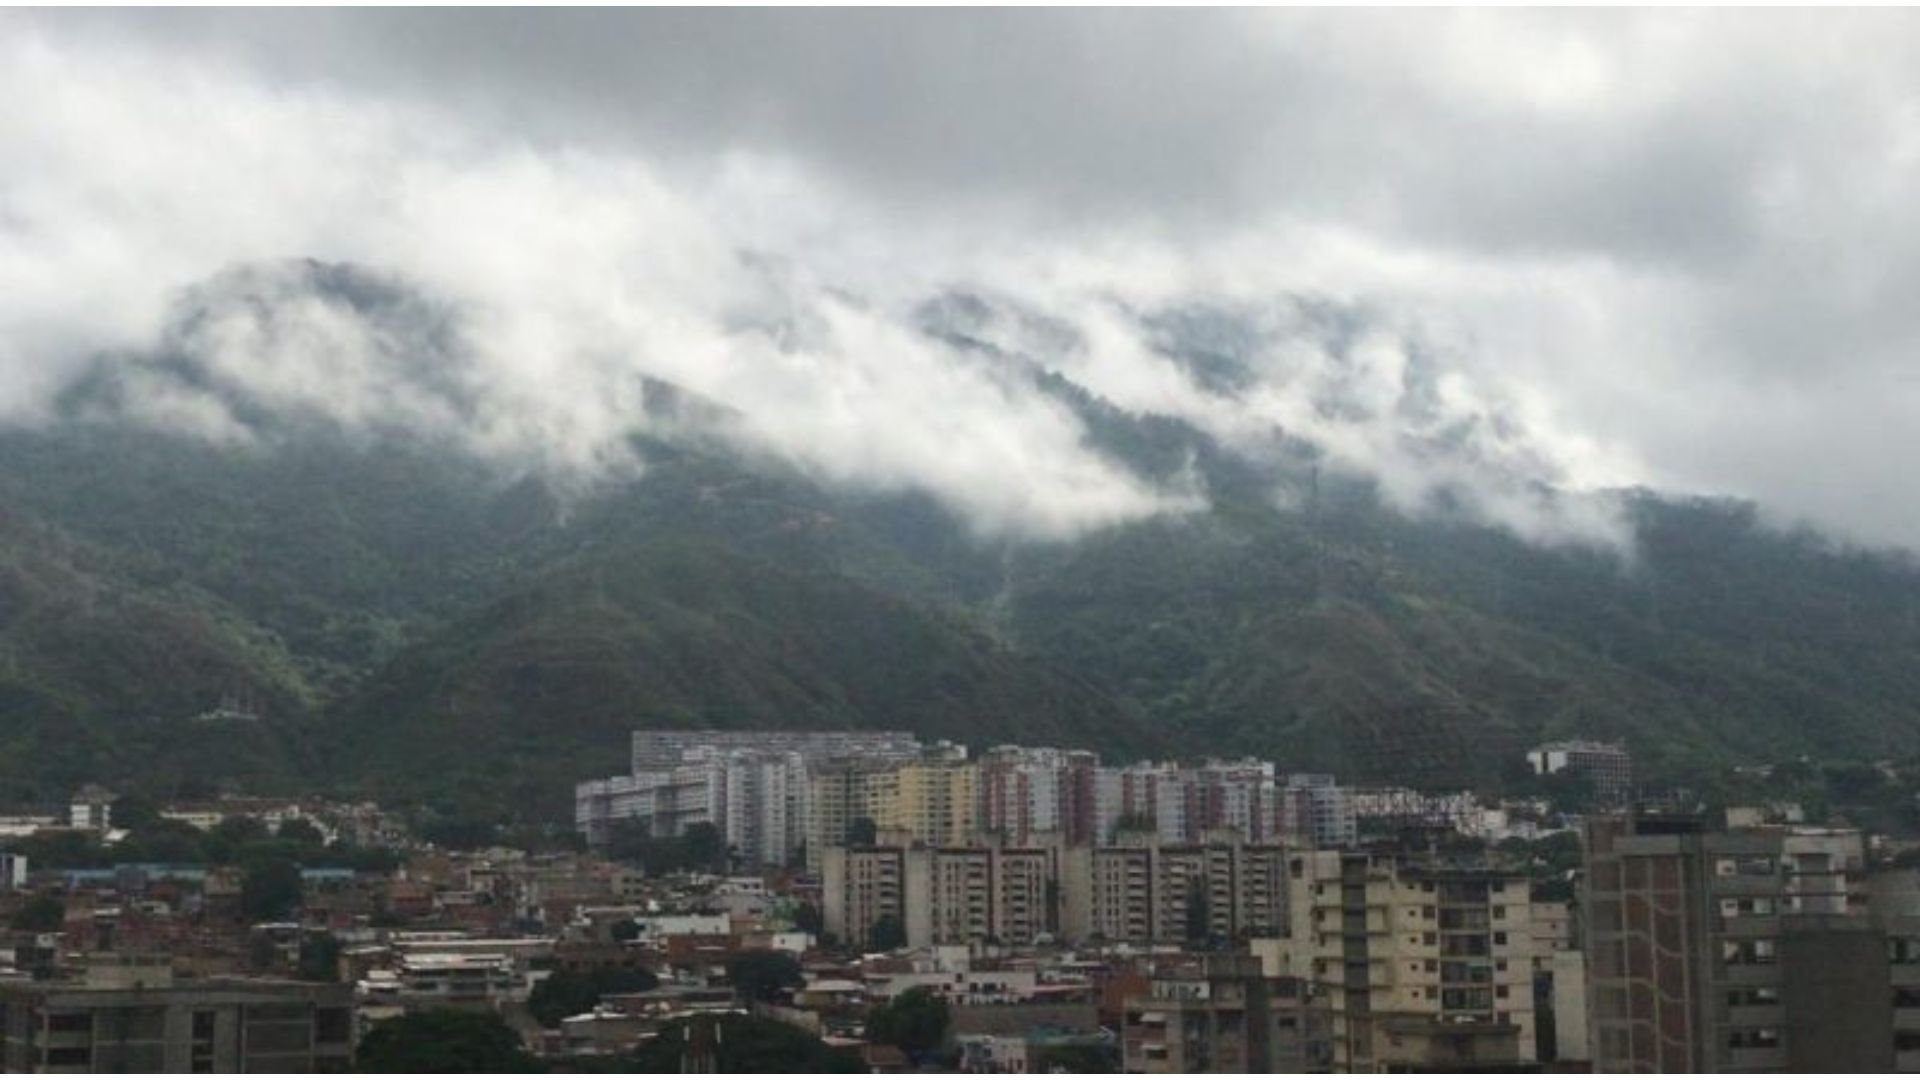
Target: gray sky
1678,249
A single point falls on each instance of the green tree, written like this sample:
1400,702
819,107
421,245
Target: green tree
1077,1058
320,958
807,917
461,834
706,848
763,974
270,889
40,915
861,832
744,1044
624,931
570,993
302,832
915,1021
134,813
224,841
1199,915
886,934
443,1040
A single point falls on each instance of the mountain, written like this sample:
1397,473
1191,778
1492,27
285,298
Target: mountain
303,602
541,688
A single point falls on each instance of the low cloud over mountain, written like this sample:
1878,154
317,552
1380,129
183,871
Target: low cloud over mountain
1497,263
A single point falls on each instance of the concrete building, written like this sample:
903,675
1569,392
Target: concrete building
13,870
1710,951
1151,891
1607,766
935,799
655,750
1229,1018
91,808
1314,812
754,786
1427,965
989,893
141,1019
1026,791
859,886
836,798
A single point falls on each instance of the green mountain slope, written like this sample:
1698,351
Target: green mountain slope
445,632
516,703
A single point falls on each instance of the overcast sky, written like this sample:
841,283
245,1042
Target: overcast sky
1673,249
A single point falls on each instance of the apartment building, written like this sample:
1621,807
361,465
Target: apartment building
656,750
1222,888
1427,965
1038,791
935,798
1745,950
140,1018
1227,1018
859,886
1315,812
754,786
836,798
1606,766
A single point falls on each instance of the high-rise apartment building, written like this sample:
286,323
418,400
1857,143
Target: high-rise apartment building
1038,791
1743,950
1315,812
753,786
935,798
1221,888
1426,964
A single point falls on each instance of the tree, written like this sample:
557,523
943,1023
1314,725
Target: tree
706,849
807,917
763,974
443,1040
624,931
224,841
886,934
40,915
915,1021
134,813
861,832
320,958
743,1044
271,889
302,832
1199,915
1077,1058
461,834
570,993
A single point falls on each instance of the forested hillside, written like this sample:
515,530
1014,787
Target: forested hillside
406,622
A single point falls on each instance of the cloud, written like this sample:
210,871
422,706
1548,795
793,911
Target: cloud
1560,251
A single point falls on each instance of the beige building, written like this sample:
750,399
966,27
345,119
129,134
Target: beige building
836,798
936,799
1426,965
1221,888
942,895
1230,1018
860,886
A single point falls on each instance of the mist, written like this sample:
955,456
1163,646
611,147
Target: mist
543,245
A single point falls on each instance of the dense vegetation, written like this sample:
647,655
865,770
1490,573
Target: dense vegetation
443,1041
386,617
